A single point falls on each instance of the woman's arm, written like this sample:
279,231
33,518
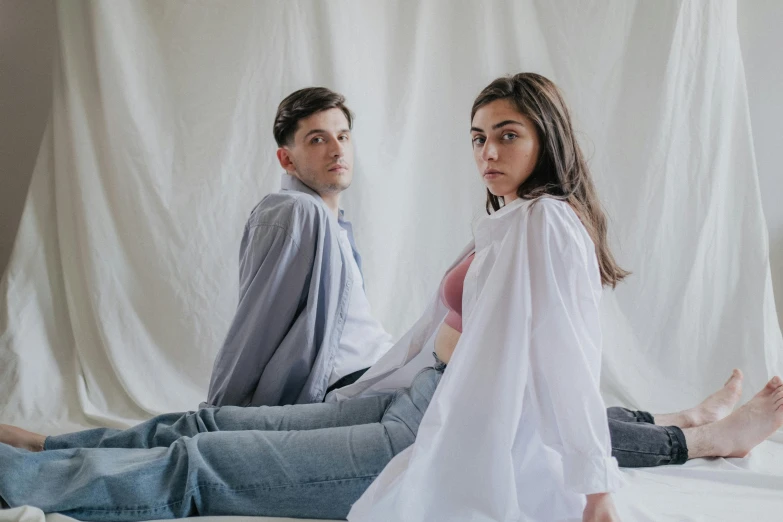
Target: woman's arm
565,350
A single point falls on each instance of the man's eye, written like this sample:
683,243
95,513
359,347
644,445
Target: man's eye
317,139
478,140
344,137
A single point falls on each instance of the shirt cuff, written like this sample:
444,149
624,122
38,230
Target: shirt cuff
592,474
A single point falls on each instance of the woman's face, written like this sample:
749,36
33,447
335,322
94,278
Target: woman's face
505,147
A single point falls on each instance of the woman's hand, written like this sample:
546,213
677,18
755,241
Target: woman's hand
600,508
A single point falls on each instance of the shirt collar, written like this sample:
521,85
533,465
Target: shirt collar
289,182
505,209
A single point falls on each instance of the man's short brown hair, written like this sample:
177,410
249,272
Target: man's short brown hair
301,104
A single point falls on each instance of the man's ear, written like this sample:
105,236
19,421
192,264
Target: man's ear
284,157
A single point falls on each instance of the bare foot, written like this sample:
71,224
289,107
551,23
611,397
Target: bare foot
744,429
720,404
714,408
19,438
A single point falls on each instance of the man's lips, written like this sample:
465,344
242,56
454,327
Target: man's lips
338,168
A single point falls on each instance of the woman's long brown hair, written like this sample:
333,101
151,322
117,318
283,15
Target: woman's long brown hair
561,171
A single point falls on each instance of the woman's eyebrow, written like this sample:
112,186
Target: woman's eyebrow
499,125
507,122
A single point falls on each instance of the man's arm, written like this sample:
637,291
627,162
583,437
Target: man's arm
274,270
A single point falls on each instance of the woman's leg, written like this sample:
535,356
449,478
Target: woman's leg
712,409
163,430
313,473
638,443
736,435
638,440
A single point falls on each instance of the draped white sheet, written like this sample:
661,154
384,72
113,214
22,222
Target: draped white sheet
123,276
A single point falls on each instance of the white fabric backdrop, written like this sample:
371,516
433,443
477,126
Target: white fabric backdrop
761,40
123,277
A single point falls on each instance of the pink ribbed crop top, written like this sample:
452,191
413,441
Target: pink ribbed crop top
451,292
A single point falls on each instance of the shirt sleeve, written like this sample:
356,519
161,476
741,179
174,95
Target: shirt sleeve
565,348
274,275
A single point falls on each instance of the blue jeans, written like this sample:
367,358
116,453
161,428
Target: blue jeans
302,461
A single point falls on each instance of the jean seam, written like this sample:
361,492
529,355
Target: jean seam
400,421
388,406
388,438
217,486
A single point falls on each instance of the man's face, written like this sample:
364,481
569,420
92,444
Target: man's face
321,154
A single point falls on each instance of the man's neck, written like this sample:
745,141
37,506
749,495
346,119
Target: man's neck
332,201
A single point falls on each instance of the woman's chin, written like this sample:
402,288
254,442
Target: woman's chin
496,191
495,188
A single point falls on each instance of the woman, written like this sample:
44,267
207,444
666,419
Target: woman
515,431
519,407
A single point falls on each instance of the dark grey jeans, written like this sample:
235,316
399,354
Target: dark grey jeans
637,442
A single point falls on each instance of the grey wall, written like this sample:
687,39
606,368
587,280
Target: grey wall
27,41
760,23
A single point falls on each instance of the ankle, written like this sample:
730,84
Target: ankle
701,442
693,418
684,419
38,443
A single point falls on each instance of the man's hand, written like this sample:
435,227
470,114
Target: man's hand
600,508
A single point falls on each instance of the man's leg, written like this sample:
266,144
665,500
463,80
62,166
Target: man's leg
304,474
314,473
163,430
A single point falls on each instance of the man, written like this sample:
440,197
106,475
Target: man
303,324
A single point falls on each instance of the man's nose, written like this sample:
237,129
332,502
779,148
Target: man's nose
337,149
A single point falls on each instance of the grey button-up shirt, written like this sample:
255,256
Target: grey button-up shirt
294,289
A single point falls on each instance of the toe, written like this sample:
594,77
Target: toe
736,374
774,383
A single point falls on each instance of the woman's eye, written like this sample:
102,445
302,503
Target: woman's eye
509,136
478,140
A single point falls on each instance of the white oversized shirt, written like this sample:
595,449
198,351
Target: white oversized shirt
517,428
